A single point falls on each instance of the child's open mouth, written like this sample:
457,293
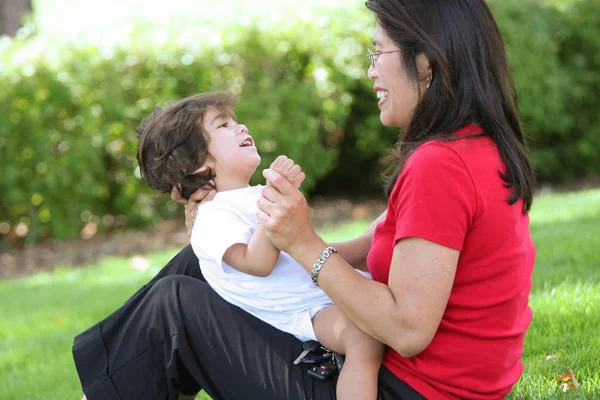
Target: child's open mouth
248,142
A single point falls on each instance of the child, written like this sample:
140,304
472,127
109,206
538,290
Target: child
198,142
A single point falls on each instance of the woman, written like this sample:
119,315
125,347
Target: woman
451,258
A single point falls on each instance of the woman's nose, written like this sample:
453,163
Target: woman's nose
371,72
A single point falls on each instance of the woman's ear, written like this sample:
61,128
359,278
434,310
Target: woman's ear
423,65
424,68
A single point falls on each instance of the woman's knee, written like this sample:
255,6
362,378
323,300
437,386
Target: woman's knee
169,283
175,291
179,286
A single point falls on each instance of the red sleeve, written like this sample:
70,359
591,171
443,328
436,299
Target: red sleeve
434,197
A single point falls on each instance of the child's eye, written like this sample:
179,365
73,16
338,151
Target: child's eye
224,125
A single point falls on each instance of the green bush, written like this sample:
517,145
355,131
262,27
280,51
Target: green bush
67,139
69,142
553,49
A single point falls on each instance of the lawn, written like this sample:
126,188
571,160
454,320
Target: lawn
42,313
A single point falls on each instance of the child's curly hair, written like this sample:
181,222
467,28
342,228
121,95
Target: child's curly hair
172,143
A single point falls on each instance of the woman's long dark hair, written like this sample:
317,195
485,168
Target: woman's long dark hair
471,82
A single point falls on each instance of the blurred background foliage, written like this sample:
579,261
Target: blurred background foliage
70,107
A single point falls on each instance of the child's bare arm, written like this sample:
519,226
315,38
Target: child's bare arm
259,256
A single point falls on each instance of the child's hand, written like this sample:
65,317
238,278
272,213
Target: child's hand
289,170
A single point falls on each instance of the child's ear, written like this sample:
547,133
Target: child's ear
207,166
202,169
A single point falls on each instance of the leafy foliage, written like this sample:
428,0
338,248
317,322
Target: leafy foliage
67,139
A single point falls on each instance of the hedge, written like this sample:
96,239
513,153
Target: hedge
67,136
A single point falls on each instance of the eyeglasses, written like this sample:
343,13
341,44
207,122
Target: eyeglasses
374,56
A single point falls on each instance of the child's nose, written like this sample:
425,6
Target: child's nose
242,129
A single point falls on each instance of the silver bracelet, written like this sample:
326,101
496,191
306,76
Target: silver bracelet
314,274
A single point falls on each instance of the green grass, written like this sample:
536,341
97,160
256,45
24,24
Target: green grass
565,297
41,314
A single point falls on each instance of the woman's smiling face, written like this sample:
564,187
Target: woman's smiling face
398,94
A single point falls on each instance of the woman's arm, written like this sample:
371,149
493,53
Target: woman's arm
355,251
404,314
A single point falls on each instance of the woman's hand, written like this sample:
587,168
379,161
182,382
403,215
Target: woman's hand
284,213
191,206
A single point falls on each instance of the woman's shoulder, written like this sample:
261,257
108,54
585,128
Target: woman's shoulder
432,153
469,144
434,162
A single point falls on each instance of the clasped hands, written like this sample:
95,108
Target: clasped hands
282,209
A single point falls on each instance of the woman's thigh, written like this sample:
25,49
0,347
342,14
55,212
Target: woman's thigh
178,335
233,355
392,388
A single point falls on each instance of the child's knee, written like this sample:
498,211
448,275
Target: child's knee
359,341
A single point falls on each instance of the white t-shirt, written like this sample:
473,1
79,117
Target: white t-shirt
286,299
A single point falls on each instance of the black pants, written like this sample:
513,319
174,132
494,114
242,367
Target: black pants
176,335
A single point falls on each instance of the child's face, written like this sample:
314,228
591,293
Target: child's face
234,156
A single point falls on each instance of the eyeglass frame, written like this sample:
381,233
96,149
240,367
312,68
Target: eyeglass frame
374,55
